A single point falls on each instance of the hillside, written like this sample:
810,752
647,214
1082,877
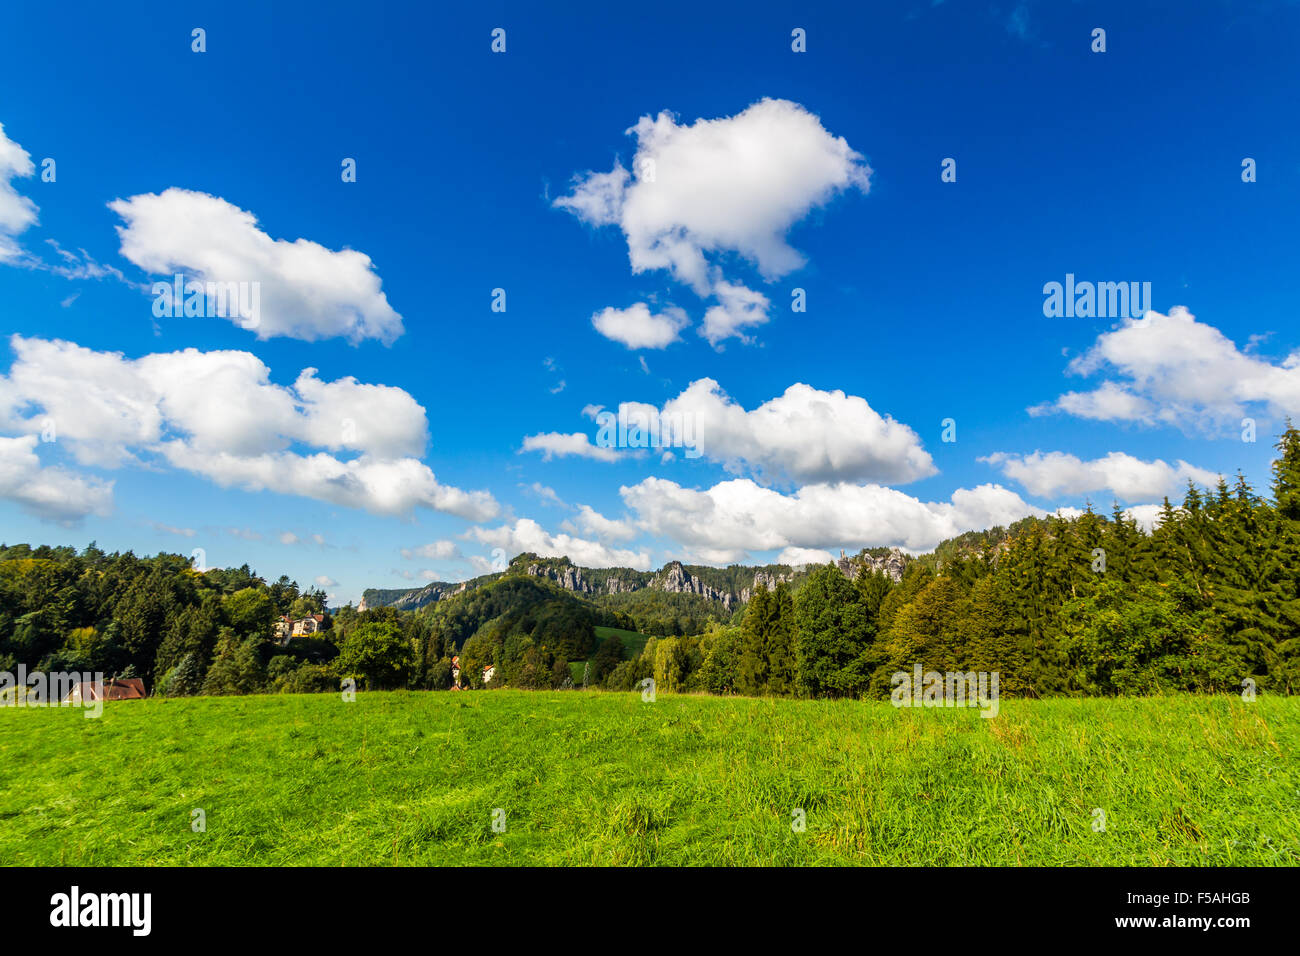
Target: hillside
723,590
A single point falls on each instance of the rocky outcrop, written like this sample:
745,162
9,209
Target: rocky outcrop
567,576
675,579
893,564
426,595
768,580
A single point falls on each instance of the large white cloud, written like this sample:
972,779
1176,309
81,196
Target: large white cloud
741,515
717,187
307,291
104,404
218,415
1129,478
48,491
803,435
527,535
1174,370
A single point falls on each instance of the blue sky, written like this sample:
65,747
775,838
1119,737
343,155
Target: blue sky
819,429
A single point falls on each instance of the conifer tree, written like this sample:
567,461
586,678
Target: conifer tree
751,676
781,661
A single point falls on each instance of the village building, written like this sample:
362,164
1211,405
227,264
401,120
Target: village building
287,627
118,688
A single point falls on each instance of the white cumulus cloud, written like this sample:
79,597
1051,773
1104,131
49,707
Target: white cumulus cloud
527,535
729,186
577,444
803,435
17,212
796,557
1173,370
435,550
1128,478
739,515
218,415
639,328
47,491
307,291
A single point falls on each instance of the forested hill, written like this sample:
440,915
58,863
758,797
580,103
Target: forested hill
722,589
1209,600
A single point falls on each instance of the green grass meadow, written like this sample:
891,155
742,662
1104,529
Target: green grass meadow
602,778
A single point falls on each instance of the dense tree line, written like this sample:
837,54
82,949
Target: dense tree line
158,618
1085,605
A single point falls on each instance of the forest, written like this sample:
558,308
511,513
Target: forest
1091,605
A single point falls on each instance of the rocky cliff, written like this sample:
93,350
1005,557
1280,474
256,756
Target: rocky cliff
674,578
894,563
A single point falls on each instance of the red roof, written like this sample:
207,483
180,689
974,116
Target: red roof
119,688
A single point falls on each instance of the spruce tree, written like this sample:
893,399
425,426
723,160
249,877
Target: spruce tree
751,677
781,661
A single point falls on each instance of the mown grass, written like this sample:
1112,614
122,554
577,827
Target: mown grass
633,644
601,778
633,641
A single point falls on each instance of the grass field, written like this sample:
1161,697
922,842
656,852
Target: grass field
633,642
598,778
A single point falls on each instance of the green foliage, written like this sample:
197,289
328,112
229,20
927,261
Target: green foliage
236,668
309,679
834,629
1056,606
1132,640
375,655
751,673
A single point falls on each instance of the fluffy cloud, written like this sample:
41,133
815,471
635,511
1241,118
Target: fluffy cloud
738,309
734,185
555,444
306,290
800,556
103,404
805,434
527,535
638,328
739,515
436,550
218,415
592,522
1146,516
1174,370
325,581
16,212
386,487
49,492
1129,478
